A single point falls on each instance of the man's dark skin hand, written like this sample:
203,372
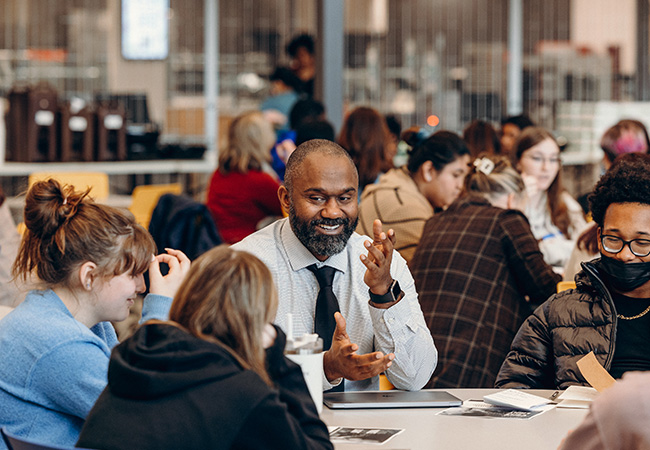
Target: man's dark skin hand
341,360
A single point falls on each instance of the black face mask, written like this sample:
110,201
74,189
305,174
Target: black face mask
625,277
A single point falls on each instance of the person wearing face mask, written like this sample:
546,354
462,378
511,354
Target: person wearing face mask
608,311
406,197
479,273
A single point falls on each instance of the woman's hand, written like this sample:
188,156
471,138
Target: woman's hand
179,266
532,188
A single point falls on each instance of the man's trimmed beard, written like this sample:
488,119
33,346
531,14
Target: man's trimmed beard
319,243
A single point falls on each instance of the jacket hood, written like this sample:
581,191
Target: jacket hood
161,359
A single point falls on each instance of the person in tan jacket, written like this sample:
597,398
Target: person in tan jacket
406,197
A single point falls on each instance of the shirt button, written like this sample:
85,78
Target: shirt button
391,320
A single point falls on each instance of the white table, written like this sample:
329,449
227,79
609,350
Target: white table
424,429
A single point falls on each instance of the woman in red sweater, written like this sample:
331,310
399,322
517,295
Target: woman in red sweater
242,190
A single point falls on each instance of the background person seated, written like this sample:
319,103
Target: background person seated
365,136
54,347
627,136
479,272
607,313
406,197
285,92
511,128
481,138
213,377
556,219
242,190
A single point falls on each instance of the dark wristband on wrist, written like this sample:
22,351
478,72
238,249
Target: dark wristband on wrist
393,294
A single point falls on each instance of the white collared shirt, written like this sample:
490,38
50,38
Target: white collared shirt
400,329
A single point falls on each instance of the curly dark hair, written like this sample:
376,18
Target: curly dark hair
627,181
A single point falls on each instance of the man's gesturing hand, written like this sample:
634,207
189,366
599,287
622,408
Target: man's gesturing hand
380,255
342,361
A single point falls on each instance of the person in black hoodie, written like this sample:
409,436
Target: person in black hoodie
214,376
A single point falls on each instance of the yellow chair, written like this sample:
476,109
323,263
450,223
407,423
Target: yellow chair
97,181
145,199
564,285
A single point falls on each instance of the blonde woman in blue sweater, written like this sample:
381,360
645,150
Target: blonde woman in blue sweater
88,261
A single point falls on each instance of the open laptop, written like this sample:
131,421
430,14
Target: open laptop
390,399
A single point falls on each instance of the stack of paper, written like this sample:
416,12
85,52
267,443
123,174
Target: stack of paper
577,397
516,399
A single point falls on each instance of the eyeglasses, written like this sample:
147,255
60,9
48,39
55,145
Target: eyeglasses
614,244
540,159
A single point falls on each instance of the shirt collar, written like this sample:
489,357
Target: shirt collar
300,257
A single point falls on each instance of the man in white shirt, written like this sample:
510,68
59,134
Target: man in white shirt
380,327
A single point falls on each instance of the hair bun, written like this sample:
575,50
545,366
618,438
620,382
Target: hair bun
49,205
414,136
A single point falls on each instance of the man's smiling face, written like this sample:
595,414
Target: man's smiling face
323,208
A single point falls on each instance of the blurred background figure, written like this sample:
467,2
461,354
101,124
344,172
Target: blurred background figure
406,197
481,138
303,63
305,110
10,292
319,129
627,136
365,137
394,133
556,219
285,92
479,274
243,189
511,128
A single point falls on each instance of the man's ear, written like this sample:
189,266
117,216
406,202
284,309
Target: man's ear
283,195
599,232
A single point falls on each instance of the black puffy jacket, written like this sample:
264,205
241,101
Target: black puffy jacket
570,324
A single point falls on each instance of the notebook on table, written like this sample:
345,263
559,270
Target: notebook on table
390,399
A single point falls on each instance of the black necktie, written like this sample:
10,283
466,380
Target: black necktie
326,304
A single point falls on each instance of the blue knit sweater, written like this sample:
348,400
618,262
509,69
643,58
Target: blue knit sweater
53,368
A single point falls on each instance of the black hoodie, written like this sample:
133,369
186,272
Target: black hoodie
170,390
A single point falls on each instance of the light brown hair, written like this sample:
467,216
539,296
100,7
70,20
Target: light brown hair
66,228
228,298
250,139
492,182
529,138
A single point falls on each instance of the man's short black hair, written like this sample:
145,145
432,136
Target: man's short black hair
302,40
627,181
